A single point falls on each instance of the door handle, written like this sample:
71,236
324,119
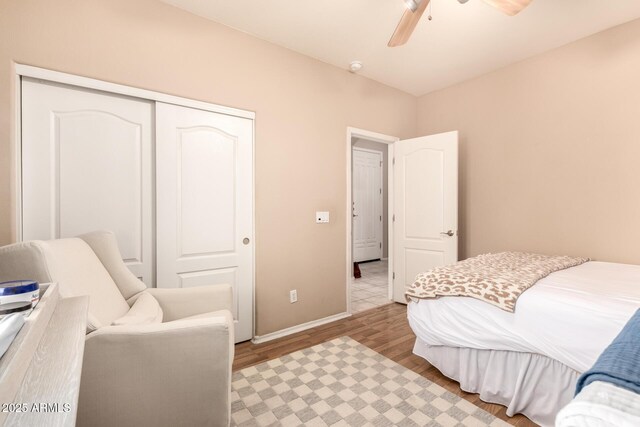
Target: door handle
449,233
354,215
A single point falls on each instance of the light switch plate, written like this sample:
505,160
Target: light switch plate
322,217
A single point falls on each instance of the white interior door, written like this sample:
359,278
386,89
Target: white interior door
204,169
86,166
367,205
425,206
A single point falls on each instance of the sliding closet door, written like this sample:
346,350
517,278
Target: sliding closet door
86,165
204,169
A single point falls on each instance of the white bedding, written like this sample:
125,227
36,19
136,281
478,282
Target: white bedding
601,404
571,315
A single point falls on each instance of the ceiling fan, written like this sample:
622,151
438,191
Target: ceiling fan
415,9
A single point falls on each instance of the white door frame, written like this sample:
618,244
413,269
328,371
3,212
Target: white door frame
384,139
380,225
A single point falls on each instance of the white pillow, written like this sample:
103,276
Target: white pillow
145,310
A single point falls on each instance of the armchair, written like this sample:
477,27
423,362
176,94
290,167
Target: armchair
153,357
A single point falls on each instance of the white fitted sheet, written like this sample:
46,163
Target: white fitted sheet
602,404
570,316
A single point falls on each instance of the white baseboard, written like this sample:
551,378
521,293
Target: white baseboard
298,328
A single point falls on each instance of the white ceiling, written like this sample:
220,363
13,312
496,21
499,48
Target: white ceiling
462,41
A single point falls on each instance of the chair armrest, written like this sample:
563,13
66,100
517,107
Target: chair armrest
167,374
178,303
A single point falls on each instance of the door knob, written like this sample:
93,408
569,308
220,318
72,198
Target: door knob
246,240
449,233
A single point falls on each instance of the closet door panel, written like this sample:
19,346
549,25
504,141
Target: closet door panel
204,169
114,141
206,195
86,164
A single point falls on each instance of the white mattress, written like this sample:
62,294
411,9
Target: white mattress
571,315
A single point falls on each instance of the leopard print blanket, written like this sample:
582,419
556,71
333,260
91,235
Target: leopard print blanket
498,279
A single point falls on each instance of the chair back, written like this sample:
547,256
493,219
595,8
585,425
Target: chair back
74,266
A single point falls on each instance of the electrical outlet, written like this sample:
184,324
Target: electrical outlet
293,296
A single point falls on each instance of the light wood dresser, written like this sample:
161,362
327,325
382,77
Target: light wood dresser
40,372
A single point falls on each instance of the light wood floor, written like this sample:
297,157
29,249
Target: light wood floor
383,329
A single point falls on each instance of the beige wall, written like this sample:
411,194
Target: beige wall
303,108
550,150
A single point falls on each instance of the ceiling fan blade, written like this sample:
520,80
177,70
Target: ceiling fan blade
510,7
407,24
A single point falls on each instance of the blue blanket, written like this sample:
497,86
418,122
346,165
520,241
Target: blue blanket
619,364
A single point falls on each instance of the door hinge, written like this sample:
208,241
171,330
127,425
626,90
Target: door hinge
380,245
394,275
394,217
394,161
381,191
380,217
380,163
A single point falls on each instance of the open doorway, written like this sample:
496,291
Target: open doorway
369,278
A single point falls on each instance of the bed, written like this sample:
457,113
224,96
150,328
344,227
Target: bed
608,394
529,360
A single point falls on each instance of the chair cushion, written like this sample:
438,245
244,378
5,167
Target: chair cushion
144,310
78,271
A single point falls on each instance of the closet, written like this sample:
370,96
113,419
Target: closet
172,178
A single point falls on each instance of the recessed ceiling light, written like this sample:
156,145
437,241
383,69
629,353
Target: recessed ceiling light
355,66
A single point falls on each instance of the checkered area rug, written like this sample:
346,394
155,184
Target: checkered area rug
343,383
